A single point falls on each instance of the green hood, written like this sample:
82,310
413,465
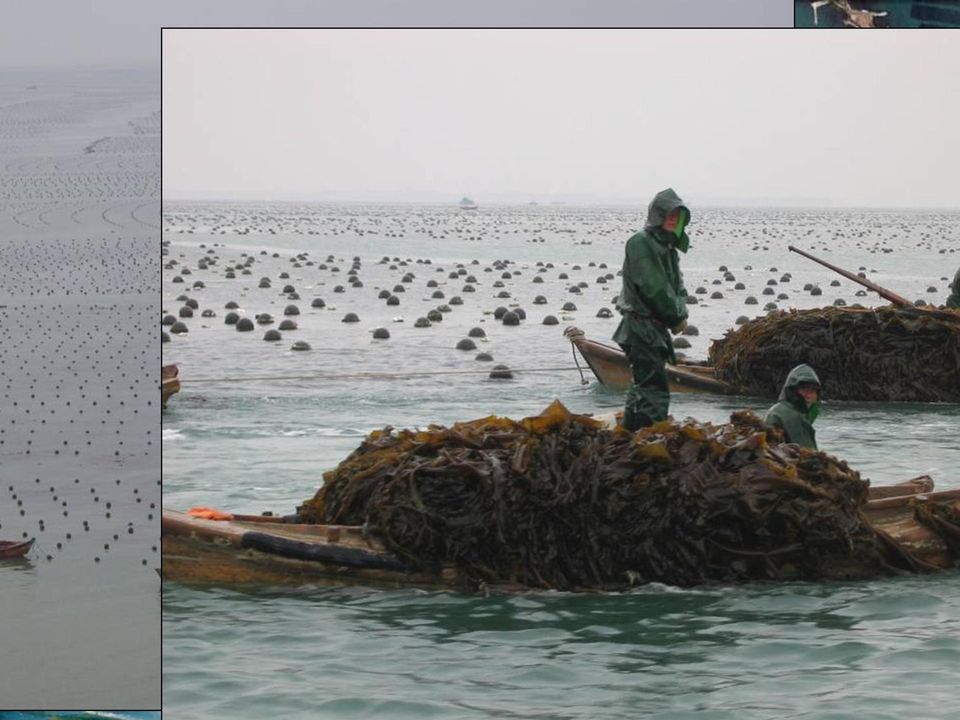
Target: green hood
800,374
660,207
954,300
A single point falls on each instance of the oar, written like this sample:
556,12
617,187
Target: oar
882,292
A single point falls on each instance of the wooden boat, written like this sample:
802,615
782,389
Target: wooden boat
15,549
268,550
169,383
611,367
262,550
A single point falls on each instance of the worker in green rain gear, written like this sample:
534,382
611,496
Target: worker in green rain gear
954,300
653,303
798,407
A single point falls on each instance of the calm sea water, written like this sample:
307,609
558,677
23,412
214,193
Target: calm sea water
888,648
79,450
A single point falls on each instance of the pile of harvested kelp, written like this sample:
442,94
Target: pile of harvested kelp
558,501
886,354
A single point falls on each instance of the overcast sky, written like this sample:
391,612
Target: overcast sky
865,119
127,31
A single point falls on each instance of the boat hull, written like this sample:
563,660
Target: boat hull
15,549
169,383
264,551
611,367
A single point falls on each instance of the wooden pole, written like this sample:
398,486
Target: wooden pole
882,292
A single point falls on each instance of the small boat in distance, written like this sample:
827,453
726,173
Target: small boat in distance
15,549
467,204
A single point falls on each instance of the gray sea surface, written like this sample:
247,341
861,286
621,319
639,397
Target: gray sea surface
79,420
256,424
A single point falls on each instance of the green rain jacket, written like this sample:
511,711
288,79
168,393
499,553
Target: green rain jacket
791,414
653,298
954,300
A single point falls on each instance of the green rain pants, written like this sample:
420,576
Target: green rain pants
648,399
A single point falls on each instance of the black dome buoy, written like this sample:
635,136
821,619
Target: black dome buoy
381,334
178,328
300,345
244,325
550,320
477,332
569,307
510,319
350,318
272,335
287,324
230,318
164,338
499,312
604,313
291,310
422,322
501,372
484,357
318,303
466,344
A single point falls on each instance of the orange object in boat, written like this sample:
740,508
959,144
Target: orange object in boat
205,513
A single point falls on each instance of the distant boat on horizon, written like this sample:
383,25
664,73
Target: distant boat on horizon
467,204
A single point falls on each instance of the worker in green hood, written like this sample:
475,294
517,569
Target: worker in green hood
653,302
954,300
798,407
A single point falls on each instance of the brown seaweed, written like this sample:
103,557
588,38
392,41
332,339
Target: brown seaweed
886,354
560,501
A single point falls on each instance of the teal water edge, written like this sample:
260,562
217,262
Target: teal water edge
879,649
899,13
